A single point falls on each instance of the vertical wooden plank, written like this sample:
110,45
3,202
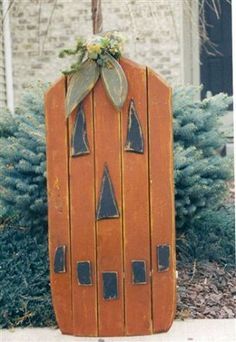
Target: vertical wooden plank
161,200
83,234
109,230
58,202
136,207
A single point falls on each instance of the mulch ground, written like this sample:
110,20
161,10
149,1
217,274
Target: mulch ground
206,291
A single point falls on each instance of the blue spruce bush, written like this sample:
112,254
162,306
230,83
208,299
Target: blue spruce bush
200,172
22,163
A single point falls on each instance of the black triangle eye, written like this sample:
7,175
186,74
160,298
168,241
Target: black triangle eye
134,140
60,259
80,144
107,204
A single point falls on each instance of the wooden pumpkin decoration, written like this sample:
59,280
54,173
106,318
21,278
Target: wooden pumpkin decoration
111,208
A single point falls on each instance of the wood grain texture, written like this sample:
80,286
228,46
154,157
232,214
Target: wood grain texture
83,233
136,206
161,198
58,201
109,231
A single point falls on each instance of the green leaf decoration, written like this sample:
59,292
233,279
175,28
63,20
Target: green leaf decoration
115,81
81,83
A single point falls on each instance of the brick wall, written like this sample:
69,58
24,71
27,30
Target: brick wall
40,29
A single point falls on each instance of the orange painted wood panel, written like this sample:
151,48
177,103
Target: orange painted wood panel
143,189
161,198
135,178
83,230
58,201
109,231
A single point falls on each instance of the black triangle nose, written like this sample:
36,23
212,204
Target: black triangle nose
107,204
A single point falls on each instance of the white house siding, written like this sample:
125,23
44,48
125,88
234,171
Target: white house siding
153,30
2,67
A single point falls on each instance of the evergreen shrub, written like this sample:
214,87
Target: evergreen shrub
24,276
22,162
211,237
200,172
